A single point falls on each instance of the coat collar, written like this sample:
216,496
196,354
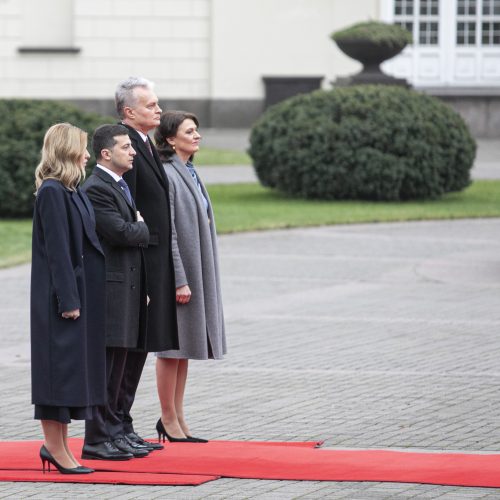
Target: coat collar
104,176
184,173
88,218
181,168
142,150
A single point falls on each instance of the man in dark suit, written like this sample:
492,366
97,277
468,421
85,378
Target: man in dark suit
123,235
137,106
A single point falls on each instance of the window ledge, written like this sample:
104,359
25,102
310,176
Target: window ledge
49,50
479,91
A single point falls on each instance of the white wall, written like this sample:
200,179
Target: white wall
255,38
166,41
192,49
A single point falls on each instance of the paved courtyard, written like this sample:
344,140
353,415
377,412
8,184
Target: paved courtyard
366,336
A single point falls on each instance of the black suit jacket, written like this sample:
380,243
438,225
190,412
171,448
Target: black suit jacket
123,239
149,186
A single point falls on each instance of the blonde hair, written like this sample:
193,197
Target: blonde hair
63,146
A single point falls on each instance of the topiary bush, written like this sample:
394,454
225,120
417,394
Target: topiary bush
368,142
377,32
22,129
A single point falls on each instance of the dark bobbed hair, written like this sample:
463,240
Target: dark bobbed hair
104,137
170,122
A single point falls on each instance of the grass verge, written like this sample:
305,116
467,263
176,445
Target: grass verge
250,207
15,242
209,156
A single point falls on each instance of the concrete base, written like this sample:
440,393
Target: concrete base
366,78
481,112
221,113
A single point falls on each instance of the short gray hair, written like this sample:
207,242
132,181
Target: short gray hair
124,95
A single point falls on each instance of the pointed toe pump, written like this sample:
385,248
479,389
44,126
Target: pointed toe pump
162,434
46,457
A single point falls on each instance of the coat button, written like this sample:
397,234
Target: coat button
132,268
133,287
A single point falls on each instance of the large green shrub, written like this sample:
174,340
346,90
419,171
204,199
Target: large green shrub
23,125
363,142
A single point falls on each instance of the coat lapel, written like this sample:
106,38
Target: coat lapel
87,215
105,177
153,161
182,170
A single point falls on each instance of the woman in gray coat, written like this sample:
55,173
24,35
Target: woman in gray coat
194,250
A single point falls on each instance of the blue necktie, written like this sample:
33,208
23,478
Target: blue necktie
126,190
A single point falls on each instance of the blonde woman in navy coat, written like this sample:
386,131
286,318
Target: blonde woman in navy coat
67,297
200,317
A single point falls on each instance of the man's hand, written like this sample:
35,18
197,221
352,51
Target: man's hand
183,294
75,314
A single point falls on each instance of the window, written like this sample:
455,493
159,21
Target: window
490,22
403,13
478,22
421,18
456,43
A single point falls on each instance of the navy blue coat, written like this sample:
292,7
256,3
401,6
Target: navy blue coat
67,273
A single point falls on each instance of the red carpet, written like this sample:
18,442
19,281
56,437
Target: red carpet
106,478
267,460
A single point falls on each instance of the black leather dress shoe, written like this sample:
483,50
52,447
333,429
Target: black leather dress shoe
104,451
123,445
132,436
136,446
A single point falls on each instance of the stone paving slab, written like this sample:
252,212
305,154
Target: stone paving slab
366,336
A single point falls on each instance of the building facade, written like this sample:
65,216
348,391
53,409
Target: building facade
214,57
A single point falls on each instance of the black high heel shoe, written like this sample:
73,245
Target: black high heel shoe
196,440
162,434
45,456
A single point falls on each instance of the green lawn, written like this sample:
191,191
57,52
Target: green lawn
15,242
208,156
247,207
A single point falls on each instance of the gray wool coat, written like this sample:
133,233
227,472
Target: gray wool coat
194,250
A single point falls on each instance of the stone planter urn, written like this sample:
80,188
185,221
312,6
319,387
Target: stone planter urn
371,43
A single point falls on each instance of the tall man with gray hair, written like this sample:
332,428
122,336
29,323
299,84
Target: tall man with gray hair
138,109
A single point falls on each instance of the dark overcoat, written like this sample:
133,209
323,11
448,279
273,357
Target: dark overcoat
67,273
122,238
149,186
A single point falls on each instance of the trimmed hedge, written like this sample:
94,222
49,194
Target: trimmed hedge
368,142
22,130
377,32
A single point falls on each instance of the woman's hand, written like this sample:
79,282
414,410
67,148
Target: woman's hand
183,294
75,314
